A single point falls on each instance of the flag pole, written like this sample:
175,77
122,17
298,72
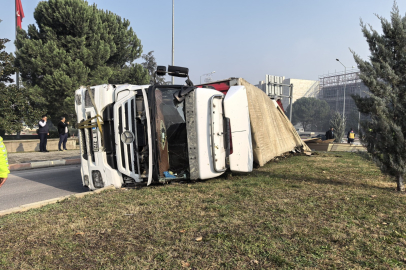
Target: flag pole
17,73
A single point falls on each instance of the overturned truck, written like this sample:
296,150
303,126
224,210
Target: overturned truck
143,134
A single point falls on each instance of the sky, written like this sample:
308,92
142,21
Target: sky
249,39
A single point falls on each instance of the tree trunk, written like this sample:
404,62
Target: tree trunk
304,126
18,135
399,182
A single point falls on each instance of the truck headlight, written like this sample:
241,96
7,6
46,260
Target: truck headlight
86,180
97,179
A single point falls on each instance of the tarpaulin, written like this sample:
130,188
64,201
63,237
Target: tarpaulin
272,132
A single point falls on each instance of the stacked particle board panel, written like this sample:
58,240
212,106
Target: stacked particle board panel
272,132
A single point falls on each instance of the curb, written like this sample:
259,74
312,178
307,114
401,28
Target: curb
43,164
26,207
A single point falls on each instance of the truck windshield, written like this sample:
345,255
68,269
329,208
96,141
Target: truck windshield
171,127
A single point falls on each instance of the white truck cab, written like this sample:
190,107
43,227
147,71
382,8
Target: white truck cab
141,134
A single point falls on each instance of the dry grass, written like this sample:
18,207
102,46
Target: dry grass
325,211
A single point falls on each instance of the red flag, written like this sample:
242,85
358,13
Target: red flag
19,12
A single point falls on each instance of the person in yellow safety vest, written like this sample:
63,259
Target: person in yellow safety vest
4,171
351,136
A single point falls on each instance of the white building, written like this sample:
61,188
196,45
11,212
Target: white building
276,86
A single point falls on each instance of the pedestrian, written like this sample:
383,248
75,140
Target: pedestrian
351,136
330,134
63,133
4,171
43,132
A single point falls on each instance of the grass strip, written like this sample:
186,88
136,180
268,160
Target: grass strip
325,211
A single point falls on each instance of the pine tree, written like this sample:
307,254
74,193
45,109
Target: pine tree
132,74
385,75
338,123
76,44
18,105
6,63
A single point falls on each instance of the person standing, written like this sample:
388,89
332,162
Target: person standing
63,133
330,134
351,136
43,132
4,171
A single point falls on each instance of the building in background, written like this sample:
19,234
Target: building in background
332,91
275,86
329,87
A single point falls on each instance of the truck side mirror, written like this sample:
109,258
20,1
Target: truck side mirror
161,70
178,71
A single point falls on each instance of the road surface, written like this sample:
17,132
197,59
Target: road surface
29,186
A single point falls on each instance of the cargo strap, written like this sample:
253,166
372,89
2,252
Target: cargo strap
88,122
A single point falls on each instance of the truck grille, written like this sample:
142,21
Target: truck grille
128,152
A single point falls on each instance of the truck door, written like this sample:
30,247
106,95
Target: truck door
236,109
205,133
217,133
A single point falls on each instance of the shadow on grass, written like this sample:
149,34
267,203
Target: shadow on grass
315,180
365,156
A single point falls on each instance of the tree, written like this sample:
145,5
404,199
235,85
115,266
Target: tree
76,44
6,63
150,65
132,74
384,74
311,113
17,104
338,123
18,107
352,121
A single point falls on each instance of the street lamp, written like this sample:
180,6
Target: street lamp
359,113
345,84
173,38
208,74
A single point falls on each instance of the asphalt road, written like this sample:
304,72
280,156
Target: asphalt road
29,186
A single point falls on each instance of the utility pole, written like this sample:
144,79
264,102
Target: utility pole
359,113
345,84
173,37
291,102
17,73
